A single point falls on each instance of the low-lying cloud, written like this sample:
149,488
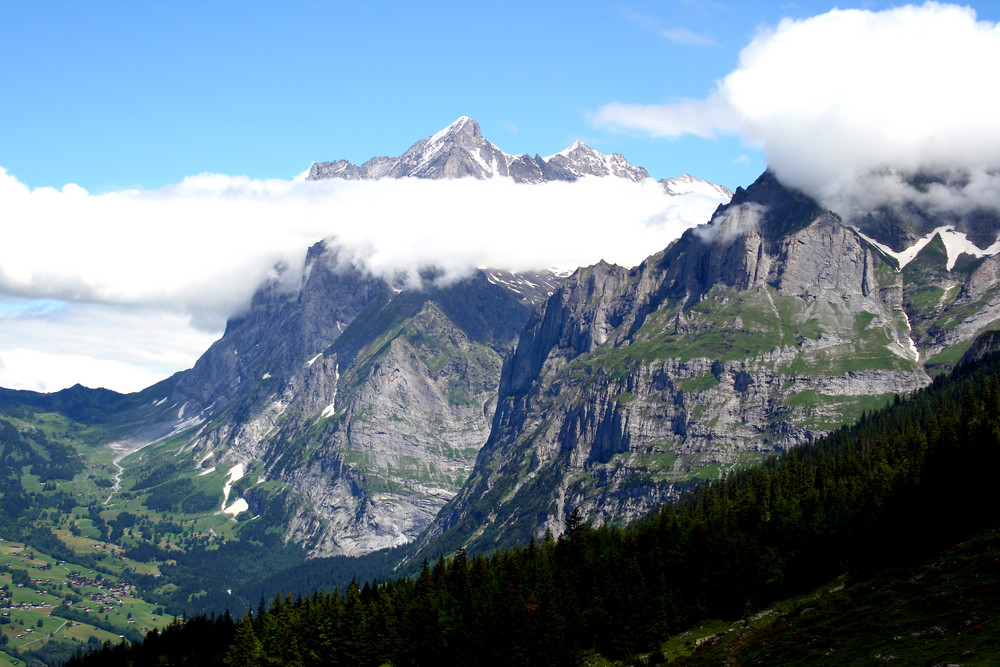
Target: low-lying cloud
192,254
733,222
851,92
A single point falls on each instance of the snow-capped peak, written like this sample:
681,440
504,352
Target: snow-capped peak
686,184
460,150
577,145
455,128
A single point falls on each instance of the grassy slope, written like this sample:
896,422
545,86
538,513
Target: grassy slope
946,610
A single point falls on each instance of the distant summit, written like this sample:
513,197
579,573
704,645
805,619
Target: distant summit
687,184
460,151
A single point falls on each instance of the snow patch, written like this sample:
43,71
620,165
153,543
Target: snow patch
235,473
205,472
914,352
239,505
489,167
265,376
331,409
955,243
182,426
313,360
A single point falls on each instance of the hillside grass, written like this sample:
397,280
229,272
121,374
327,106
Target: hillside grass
945,610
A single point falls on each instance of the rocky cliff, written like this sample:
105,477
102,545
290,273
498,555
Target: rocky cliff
762,329
347,410
352,414
352,409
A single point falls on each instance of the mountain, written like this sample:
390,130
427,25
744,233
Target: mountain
460,150
688,184
379,422
342,409
760,330
348,413
346,409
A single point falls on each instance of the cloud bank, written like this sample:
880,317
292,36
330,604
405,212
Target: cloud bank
852,92
46,346
142,280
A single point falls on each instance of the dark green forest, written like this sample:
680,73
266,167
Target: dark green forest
903,483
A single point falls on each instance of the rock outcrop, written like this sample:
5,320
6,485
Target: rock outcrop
354,409
765,328
361,415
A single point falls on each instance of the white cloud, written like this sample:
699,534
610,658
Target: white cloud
678,35
45,346
960,192
687,37
850,92
146,278
733,222
702,118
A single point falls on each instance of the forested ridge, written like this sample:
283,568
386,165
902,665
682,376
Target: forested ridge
902,483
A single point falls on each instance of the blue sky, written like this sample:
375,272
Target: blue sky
149,150
124,94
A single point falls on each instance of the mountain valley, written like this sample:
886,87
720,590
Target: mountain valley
349,419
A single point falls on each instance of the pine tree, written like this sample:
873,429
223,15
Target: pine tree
246,649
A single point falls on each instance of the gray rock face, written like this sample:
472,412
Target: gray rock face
284,325
460,151
355,410
766,328
403,441
365,416
951,309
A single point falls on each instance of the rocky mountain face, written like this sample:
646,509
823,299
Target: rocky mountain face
345,409
353,414
352,409
460,150
768,326
950,289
